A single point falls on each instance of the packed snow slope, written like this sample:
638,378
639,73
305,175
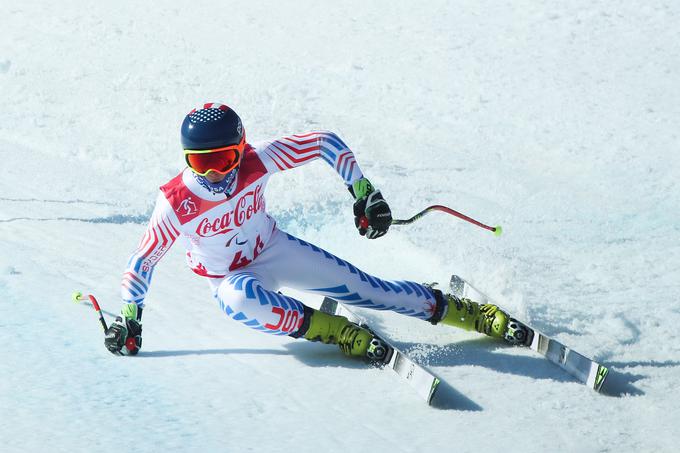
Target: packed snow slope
558,121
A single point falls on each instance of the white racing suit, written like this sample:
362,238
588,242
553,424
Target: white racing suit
235,244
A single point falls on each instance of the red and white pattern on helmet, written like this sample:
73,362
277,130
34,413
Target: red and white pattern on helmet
211,105
209,112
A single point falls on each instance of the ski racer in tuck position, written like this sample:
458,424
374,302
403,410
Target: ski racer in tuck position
216,208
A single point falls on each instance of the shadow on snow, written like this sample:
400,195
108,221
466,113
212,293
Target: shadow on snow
475,352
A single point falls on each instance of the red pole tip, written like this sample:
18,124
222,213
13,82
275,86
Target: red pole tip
94,302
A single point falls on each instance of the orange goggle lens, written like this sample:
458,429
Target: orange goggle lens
220,160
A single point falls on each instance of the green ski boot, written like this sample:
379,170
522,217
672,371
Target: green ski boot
352,339
469,315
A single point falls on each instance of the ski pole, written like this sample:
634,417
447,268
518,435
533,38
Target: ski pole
496,230
77,296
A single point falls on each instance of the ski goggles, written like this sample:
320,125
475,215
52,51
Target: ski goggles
220,160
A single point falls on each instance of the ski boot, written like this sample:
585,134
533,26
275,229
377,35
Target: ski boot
485,318
353,340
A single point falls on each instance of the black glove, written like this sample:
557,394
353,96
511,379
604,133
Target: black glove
372,214
124,335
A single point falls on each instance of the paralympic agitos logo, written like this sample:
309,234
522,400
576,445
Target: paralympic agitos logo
249,204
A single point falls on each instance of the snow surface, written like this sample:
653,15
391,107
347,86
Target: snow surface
558,120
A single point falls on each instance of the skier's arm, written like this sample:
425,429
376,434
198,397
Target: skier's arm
372,215
124,335
299,149
159,236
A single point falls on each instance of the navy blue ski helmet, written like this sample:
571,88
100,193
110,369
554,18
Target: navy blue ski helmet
212,126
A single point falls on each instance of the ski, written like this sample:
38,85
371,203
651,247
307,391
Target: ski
420,379
587,371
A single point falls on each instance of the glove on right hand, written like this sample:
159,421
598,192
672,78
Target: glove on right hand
124,335
372,214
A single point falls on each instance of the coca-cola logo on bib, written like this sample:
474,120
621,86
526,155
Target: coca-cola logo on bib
245,207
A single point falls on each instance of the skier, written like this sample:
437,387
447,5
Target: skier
216,208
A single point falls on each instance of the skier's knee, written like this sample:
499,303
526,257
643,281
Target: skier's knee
232,301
